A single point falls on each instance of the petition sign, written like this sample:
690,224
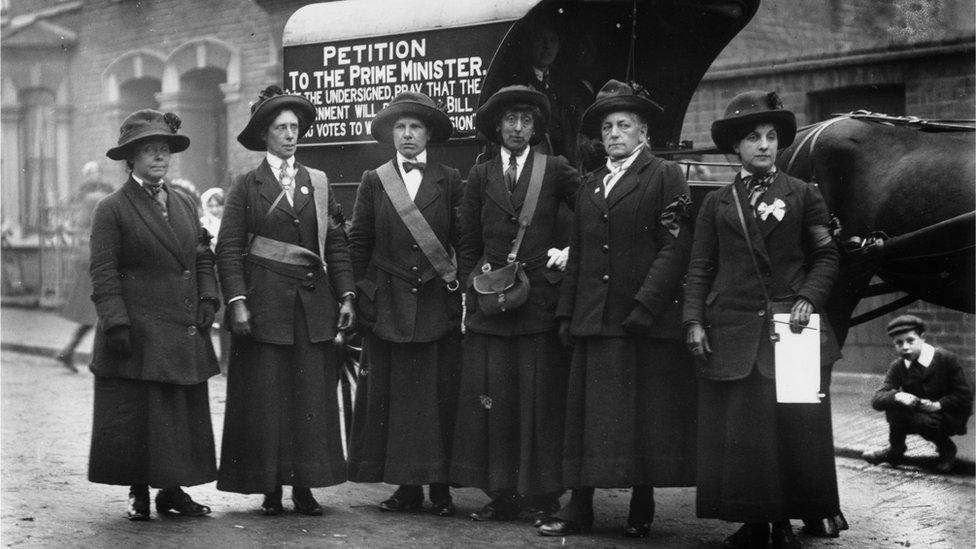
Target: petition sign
350,81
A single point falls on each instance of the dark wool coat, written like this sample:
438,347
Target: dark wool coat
625,265
943,381
272,287
489,217
150,274
797,259
401,296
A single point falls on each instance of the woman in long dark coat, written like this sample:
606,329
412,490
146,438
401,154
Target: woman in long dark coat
287,282
409,303
760,462
155,292
630,413
513,384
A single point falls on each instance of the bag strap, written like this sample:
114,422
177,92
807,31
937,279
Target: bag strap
320,185
416,223
752,254
267,214
531,200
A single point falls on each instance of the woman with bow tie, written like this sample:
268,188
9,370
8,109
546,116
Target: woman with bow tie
402,241
761,244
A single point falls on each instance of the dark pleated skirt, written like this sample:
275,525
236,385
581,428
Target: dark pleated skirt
761,461
146,432
406,402
630,414
281,424
511,412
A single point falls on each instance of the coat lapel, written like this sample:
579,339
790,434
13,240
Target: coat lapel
495,187
430,186
595,189
777,190
271,188
302,181
732,215
143,204
522,185
629,181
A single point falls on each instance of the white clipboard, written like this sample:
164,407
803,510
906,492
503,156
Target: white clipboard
797,361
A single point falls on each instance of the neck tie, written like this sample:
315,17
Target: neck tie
408,166
287,182
158,196
757,186
511,174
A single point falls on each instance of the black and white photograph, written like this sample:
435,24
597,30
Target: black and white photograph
488,273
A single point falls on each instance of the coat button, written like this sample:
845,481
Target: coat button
761,313
295,222
413,290
414,247
414,268
186,275
191,330
309,287
606,249
605,217
419,281
309,275
513,219
606,278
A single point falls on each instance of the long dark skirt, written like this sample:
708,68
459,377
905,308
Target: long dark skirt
406,402
630,414
281,424
511,412
146,432
761,461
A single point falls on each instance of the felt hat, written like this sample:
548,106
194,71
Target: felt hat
486,119
617,96
148,124
270,101
905,323
415,105
745,112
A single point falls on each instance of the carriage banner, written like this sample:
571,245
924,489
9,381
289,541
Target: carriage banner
350,81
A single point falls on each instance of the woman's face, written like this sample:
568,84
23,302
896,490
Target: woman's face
150,160
282,136
215,208
543,48
622,133
757,150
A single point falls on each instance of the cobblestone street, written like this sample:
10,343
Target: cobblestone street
47,501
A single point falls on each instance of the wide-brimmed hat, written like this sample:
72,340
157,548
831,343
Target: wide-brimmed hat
745,112
270,101
148,124
413,104
617,96
486,119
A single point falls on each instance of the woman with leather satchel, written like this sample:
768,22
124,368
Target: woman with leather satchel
402,241
630,412
513,384
761,245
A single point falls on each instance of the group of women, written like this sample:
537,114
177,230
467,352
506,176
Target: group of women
582,341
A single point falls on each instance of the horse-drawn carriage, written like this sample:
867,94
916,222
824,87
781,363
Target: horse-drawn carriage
902,191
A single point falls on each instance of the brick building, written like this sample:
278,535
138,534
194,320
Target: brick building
72,69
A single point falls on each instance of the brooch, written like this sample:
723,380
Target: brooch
304,189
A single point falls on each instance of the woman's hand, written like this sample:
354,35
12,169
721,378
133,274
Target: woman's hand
206,313
697,341
564,336
558,258
117,339
240,318
800,315
347,314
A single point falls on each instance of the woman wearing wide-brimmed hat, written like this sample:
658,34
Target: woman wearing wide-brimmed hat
508,440
287,283
156,294
630,412
762,245
402,241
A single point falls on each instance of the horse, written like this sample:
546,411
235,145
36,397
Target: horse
902,193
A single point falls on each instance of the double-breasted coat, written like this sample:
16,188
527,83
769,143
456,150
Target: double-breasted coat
630,416
407,393
513,361
771,461
149,272
281,424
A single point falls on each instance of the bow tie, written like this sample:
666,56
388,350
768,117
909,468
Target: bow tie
407,166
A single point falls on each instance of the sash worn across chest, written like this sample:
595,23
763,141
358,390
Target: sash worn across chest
285,252
443,262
